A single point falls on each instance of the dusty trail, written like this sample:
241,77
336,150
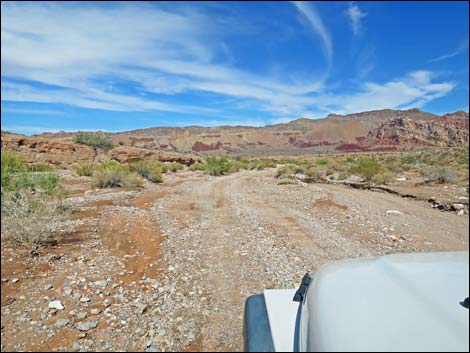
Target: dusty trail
181,257
246,233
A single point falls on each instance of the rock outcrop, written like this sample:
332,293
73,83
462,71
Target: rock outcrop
450,130
66,153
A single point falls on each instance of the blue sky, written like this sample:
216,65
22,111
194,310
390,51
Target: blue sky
128,65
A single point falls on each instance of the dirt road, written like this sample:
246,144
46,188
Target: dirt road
181,257
242,233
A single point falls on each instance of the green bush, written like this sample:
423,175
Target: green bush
148,169
173,167
113,174
314,174
31,205
45,183
12,162
321,162
366,167
242,163
17,175
262,164
94,140
218,165
198,166
40,167
408,160
85,168
235,166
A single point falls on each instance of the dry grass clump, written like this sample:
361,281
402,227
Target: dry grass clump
111,174
172,167
148,169
31,219
31,202
85,168
198,166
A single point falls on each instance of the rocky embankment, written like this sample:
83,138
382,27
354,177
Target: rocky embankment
66,153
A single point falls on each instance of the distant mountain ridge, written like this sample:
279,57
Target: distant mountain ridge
375,130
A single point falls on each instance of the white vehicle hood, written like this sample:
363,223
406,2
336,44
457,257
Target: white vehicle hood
406,302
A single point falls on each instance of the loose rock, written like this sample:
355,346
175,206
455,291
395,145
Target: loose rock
56,304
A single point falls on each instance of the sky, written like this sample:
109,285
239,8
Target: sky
117,66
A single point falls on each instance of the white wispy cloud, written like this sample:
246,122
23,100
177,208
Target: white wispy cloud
81,53
28,129
355,16
414,90
34,130
172,55
311,14
31,111
460,49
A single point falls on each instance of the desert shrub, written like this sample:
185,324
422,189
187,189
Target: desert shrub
330,171
285,182
321,162
390,159
43,183
31,201
289,161
242,163
439,175
288,171
218,165
426,158
265,163
383,178
40,167
17,176
408,160
85,168
462,157
396,167
12,162
314,174
148,169
113,174
366,167
121,143
173,167
30,218
94,140
198,166
339,166
234,167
